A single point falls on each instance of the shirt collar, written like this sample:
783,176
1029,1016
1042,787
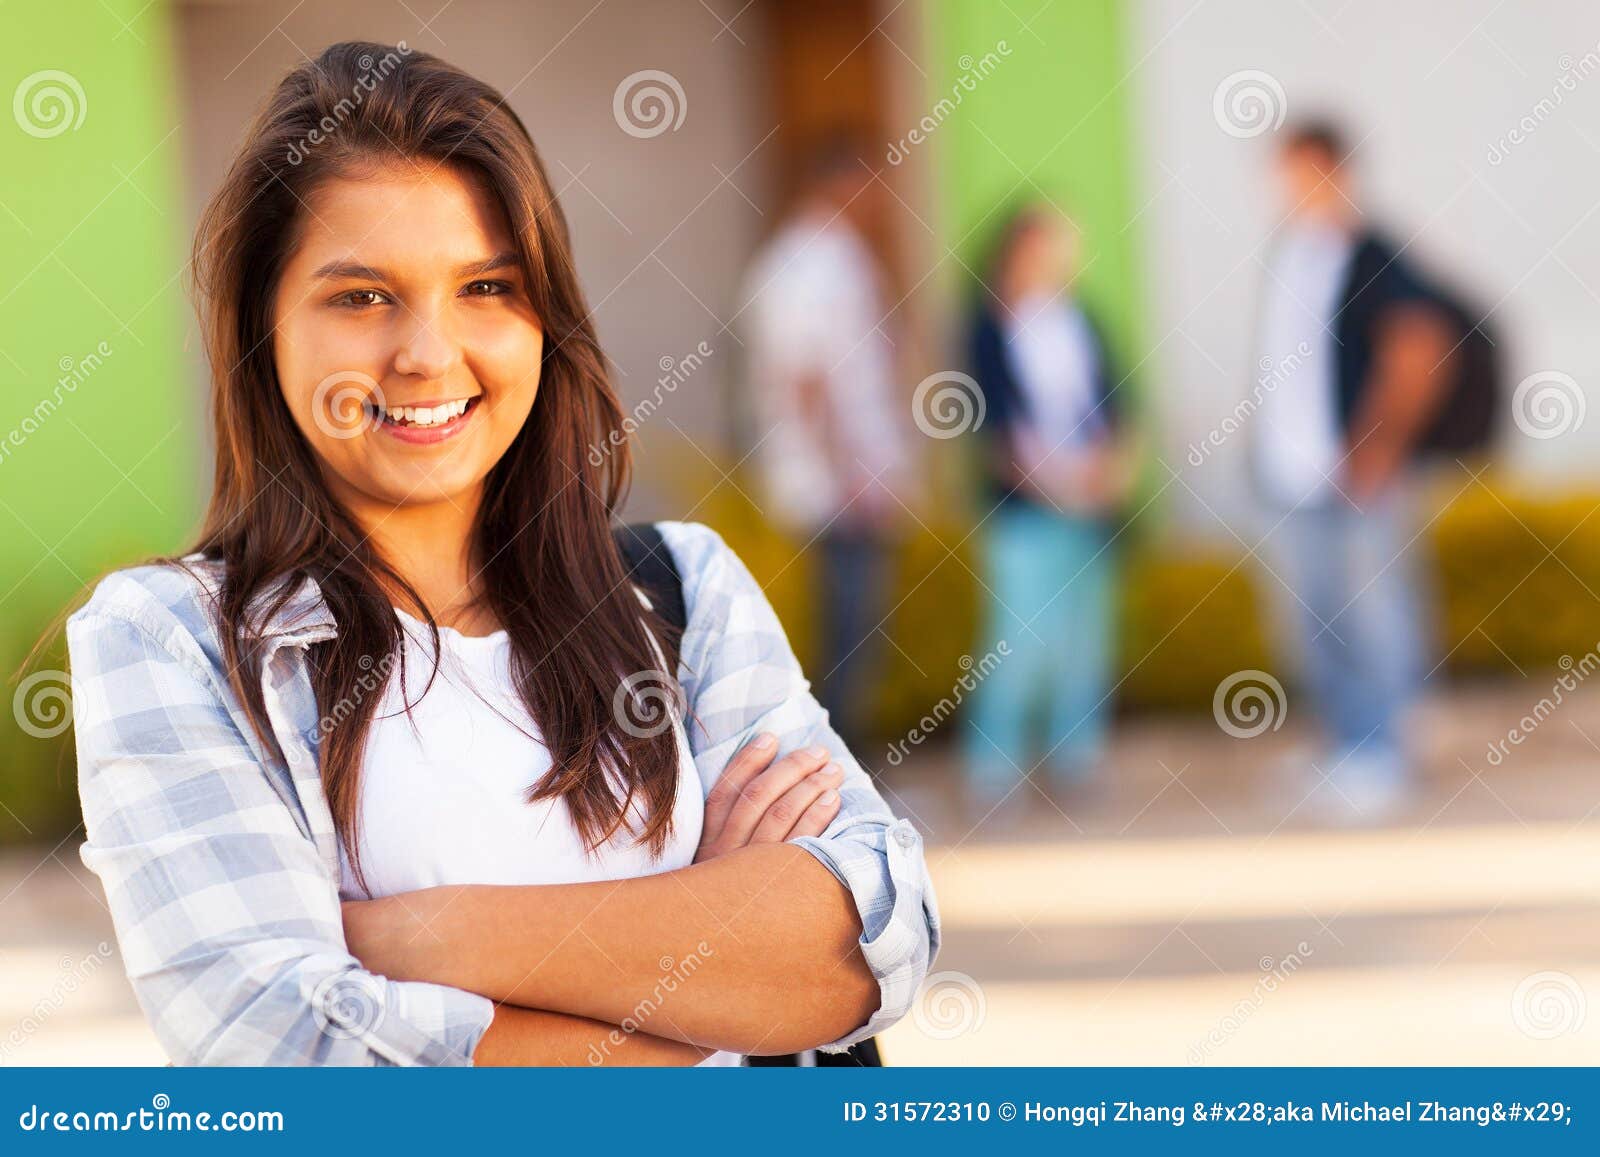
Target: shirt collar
304,616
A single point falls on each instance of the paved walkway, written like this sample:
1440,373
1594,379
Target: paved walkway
1189,912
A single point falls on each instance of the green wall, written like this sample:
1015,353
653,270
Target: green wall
1051,120
99,439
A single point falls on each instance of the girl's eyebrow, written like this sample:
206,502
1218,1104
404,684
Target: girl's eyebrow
350,269
503,260
342,268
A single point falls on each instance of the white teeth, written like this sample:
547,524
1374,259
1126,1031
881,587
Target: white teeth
428,416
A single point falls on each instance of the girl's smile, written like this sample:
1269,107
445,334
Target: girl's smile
423,423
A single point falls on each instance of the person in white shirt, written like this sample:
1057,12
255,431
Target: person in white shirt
832,445
1360,350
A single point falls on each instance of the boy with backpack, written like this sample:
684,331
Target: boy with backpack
1397,370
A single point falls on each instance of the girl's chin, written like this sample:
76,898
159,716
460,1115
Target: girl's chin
399,492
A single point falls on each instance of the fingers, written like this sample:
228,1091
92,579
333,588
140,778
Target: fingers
818,816
767,789
785,813
751,761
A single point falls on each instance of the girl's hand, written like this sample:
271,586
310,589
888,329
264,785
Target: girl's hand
759,801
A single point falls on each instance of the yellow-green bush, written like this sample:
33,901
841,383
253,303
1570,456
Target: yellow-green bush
1517,580
1190,615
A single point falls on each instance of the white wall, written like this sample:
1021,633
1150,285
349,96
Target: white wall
1430,87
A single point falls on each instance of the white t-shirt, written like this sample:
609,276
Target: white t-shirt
443,792
814,306
1298,444
1053,357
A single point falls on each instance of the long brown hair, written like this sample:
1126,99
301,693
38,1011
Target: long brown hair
553,576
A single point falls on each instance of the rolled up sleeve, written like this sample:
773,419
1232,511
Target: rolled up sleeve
740,677
226,915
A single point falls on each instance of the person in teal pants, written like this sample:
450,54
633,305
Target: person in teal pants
1057,466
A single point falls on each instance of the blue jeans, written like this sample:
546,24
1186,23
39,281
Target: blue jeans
1050,578
1356,610
853,575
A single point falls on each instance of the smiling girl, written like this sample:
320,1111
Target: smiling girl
398,766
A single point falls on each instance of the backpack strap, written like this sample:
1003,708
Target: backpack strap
650,564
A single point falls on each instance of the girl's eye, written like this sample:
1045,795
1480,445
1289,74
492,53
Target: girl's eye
357,298
486,288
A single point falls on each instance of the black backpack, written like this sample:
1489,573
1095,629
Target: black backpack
1466,418
650,564
1465,421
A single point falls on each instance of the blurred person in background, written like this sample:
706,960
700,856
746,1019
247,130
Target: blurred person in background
1058,469
1360,348
833,450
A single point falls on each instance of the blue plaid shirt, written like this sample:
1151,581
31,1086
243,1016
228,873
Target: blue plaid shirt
221,864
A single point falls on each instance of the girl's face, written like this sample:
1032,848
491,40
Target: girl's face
406,347
1044,257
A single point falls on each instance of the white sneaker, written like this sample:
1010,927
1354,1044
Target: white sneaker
1365,790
